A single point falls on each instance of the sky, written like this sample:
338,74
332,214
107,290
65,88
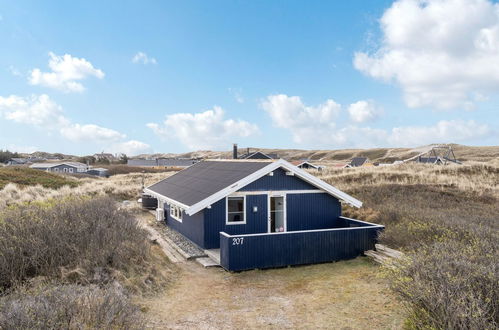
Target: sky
81,77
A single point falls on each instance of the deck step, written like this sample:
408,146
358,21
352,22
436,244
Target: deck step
214,254
167,248
207,262
384,255
184,254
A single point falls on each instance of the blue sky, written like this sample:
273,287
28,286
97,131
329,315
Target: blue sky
131,76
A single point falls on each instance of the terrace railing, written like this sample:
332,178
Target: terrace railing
269,250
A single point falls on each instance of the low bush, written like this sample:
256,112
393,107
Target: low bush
23,176
451,285
78,240
69,307
125,169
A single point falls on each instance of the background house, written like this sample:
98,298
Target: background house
163,162
359,161
65,167
251,155
305,164
106,157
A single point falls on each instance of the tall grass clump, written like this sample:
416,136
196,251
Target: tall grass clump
79,239
69,306
449,285
446,220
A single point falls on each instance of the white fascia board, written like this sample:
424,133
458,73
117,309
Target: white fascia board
166,199
264,171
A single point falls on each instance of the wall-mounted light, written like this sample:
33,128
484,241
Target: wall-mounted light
255,209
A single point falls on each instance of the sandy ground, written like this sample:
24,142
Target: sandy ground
341,295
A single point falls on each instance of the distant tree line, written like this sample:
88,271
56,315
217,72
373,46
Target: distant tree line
5,155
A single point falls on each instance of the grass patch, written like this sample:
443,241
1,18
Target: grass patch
24,176
445,219
125,169
77,240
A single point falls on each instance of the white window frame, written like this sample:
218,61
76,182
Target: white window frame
284,211
70,170
176,212
227,211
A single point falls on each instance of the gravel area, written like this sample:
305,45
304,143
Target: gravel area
181,241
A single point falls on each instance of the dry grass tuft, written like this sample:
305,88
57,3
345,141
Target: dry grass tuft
446,219
76,240
24,177
123,186
69,307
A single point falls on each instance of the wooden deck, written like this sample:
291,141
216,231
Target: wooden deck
214,254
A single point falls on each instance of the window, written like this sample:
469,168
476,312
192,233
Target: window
236,207
176,212
70,170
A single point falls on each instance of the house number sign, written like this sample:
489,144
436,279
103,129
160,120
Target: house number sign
238,241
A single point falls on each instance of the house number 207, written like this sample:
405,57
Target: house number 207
238,241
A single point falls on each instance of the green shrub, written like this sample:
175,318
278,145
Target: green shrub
24,176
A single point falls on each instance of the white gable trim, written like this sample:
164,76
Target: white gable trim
264,171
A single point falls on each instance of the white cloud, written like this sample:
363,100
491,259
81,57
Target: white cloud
305,122
77,132
35,110
315,126
445,131
237,94
131,148
141,57
40,111
440,52
204,130
364,111
66,72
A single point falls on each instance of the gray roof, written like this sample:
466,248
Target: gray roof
168,162
258,155
50,165
176,162
203,179
142,162
358,161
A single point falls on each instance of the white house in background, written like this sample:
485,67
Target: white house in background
65,167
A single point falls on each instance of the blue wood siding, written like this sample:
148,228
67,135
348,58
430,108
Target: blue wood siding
312,211
279,181
191,227
256,222
295,248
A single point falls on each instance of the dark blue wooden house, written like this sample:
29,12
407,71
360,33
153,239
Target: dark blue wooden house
261,214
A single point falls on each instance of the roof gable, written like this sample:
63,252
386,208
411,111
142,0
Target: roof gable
205,183
358,161
204,179
279,180
256,155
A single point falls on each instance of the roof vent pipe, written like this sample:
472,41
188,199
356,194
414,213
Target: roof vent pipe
234,151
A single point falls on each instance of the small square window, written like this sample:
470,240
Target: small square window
236,210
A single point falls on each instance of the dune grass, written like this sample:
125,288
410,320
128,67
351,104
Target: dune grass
23,176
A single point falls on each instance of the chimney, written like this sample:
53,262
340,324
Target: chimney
247,151
234,151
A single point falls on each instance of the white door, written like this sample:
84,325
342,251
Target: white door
277,213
